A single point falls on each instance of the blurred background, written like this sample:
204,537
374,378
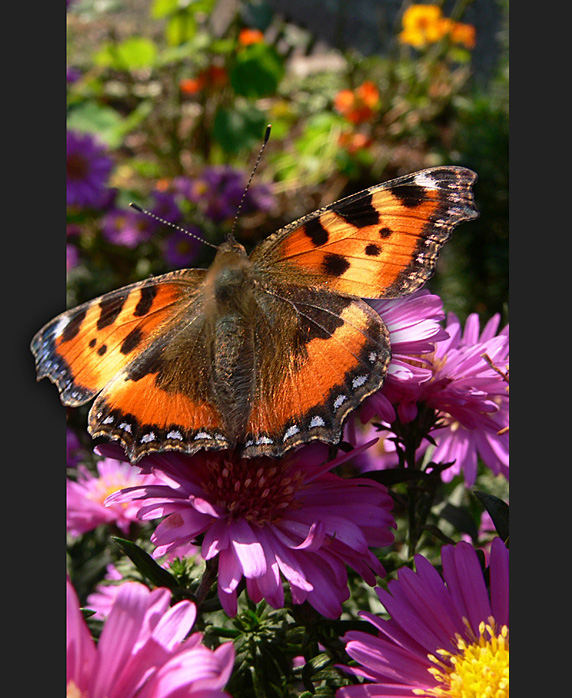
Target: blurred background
167,102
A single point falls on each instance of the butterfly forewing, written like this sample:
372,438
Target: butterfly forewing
382,242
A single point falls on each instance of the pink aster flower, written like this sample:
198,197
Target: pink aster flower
142,651
265,519
446,636
414,325
471,395
86,496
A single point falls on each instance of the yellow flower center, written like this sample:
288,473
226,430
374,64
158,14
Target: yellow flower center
72,691
477,669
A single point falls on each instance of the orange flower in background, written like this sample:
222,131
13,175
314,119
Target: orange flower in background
191,86
250,36
424,24
352,142
463,34
213,76
358,105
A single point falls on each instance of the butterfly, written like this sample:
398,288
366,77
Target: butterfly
263,352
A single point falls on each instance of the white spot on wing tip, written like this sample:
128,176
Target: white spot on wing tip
175,435
317,421
146,438
425,180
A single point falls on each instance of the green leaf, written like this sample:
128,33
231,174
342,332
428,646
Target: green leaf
146,565
257,71
135,53
162,8
498,511
461,519
93,118
180,29
238,128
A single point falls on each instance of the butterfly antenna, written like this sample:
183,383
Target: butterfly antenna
266,137
170,224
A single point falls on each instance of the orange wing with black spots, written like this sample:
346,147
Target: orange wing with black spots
82,349
382,242
330,353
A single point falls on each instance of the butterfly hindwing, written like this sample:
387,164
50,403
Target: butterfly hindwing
329,353
382,242
82,349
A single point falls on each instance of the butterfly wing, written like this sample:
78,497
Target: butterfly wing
82,349
382,242
328,353
163,400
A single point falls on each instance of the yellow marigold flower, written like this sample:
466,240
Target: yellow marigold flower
421,25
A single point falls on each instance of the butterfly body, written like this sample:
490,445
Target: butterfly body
258,353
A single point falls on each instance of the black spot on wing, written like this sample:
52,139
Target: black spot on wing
132,340
385,232
102,349
373,250
72,328
148,294
92,343
149,362
316,232
410,195
110,309
334,264
358,211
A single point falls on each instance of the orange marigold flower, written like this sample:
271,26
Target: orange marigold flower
216,76
213,76
190,86
357,106
250,36
464,34
162,184
352,142
344,101
421,25
368,93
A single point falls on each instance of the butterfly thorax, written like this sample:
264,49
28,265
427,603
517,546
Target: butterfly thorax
231,306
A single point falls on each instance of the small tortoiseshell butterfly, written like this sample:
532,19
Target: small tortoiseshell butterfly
258,353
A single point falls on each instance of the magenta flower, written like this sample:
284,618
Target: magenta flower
86,496
219,189
88,167
142,651
181,250
471,397
445,637
73,448
127,228
414,326
265,519
102,599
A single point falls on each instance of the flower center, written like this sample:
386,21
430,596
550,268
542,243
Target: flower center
72,691
478,669
76,167
255,489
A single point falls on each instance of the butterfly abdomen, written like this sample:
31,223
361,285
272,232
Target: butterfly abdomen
233,375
